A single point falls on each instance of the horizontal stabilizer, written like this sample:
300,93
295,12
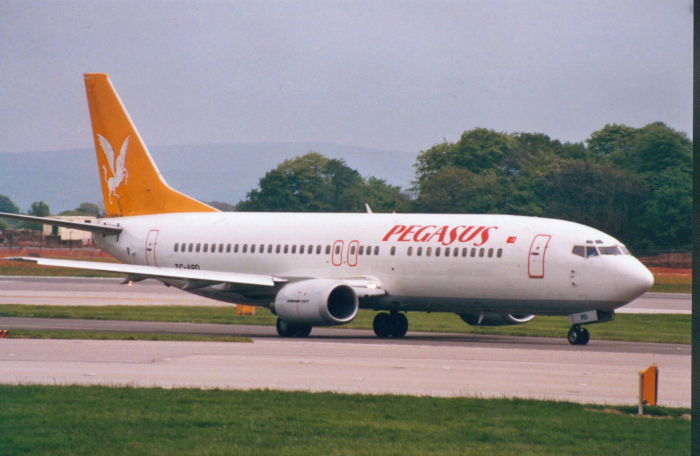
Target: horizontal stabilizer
82,226
153,272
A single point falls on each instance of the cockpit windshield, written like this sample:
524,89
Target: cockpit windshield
587,251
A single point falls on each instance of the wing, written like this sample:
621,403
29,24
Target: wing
122,153
196,278
108,150
82,226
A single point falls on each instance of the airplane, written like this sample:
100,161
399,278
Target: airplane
319,269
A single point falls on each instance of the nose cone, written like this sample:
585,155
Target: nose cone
633,279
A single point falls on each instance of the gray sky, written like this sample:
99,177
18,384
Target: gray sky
384,74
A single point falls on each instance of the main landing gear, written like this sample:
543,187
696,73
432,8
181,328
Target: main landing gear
392,324
285,329
578,335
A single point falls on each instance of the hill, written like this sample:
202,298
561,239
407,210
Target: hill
218,172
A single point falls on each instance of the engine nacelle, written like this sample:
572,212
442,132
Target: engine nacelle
495,319
316,302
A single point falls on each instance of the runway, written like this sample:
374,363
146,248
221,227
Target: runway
353,361
67,291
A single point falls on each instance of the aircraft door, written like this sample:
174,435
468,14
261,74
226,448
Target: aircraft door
538,249
151,248
337,253
353,247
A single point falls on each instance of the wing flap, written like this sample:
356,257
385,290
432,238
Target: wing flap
138,272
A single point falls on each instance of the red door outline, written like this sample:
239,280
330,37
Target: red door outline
151,248
352,258
337,259
535,259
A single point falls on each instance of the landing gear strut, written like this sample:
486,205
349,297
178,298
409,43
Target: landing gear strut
392,324
285,329
578,335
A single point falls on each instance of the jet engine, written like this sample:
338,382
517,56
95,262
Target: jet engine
495,319
316,302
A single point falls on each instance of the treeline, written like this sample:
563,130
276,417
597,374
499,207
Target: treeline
633,183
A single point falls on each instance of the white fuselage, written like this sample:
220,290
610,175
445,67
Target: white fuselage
494,262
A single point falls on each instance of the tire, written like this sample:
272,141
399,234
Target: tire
284,329
399,325
584,336
574,336
302,330
382,325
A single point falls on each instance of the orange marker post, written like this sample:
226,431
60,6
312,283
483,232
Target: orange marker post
648,387
245,310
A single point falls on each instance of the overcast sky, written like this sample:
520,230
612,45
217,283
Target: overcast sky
397,75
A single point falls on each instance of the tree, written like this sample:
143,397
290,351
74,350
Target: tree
658,148
614,140
6,205
86,209
460,191
223,207
38,209
314,183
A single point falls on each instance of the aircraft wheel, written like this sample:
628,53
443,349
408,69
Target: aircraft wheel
302,330
285,329
382,325
584,336
574,335
399,325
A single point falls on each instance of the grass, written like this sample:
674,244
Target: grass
664,283
97,335
662,328
77,420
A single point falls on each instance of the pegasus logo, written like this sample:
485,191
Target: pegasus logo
117,168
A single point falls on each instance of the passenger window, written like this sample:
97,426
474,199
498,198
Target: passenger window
352,250
393,251
420,251
269,248
311,249
490,253
252,248
176,245
301,249
579,250
499,253
245,248
228,248
235,248
410,251
447,252
437,251
286,248
481,253
221,248
591,252
328,250
473,252
318,250
369,250
278,249
294,248
376,250
206,248
362,250
199,246
428,251
337,250
465,251
191,245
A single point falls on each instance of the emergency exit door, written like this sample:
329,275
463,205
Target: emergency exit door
151,248
536,258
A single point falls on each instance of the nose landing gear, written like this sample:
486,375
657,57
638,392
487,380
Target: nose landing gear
392,324
578,335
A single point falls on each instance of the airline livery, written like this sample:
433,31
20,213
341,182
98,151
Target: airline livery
313,269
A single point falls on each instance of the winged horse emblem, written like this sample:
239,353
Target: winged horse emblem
117,168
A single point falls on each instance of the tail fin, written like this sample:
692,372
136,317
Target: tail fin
131,182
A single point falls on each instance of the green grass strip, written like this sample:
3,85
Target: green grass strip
75,420
97,335
662,328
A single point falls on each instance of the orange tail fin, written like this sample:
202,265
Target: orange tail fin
131,182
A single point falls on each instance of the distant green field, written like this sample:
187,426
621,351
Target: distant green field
96,335
628,327
75,420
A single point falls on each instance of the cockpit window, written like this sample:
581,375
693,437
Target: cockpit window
591,252
579,250
624,250
614,250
